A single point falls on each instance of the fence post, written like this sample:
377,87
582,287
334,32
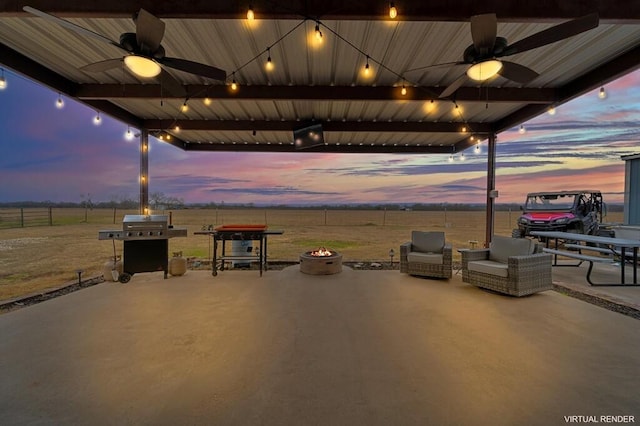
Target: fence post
50,216
114,214
21,217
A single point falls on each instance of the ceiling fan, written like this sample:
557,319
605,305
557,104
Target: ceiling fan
482,57
145,56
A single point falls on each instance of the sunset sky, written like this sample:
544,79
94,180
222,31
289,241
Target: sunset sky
60,155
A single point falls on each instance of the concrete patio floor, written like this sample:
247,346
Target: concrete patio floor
357,348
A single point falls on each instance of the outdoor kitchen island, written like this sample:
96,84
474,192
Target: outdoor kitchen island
224,233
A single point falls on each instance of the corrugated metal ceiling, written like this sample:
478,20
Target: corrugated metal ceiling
394,48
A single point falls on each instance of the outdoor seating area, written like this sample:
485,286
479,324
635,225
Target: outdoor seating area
513,266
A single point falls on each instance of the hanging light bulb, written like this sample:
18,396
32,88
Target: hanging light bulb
176,128
367,69
318,32
184,107
269,65
97,120
128,134
393,12
478,148
464,129
207,101
234,85
522,130
551,110
403,91
462,156
602,94
451,158
250,15
59,102
3,81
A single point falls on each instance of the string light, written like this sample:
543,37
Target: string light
176,128
393,12
462,156
602,94
207,101
478,148
551,110
59,102
318,32
234,85
250,15
403,91
97,120
451,158
184,107
367,69
128,134
522,130
3,81
269,64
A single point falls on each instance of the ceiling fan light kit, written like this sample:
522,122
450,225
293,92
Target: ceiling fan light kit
484,70
141,66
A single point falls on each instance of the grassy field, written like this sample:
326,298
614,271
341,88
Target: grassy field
36,258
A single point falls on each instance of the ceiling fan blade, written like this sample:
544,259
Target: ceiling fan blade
450,90
516,72
194,68
171,85
149,31
70,26
444,64
102,66
553,34
484,29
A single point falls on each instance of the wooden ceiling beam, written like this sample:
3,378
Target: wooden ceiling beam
467,94
328,126
410,10
331,148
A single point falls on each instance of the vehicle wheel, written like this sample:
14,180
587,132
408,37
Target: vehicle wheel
124,277
516,233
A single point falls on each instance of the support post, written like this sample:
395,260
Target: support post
491,183
144,172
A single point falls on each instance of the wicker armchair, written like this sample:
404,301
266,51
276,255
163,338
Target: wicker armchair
514,266
426,255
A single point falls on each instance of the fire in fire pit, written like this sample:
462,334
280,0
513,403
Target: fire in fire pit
321,252
321,262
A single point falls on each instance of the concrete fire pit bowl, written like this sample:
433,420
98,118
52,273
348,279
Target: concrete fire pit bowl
321,262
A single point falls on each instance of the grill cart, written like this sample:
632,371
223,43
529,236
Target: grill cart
146,243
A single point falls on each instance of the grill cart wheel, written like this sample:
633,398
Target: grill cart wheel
124,277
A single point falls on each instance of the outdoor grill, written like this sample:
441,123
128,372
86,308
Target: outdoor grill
146,243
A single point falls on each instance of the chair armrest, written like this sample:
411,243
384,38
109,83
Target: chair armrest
476,254
405,248
530,261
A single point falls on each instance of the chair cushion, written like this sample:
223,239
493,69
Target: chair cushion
489,267
502,247
431,258
427,241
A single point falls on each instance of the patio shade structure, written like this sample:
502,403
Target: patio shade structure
397,108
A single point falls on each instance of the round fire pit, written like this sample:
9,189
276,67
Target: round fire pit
321,262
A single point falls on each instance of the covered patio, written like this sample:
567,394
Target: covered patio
359,347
